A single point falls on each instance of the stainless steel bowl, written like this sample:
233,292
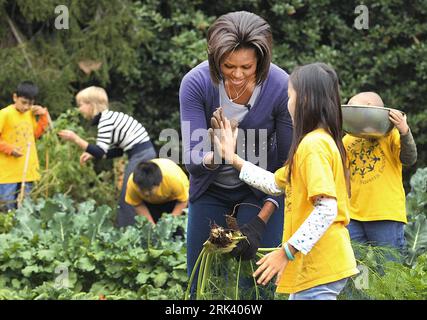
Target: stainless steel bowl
366,121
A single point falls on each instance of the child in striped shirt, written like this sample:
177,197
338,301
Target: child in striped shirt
118,133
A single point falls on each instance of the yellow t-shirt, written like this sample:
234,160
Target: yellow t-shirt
317,170
376,178
17,129
174,186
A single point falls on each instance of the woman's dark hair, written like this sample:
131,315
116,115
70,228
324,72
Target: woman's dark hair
147,175
317,105
237,30
28,90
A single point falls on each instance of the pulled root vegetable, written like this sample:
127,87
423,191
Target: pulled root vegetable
221,241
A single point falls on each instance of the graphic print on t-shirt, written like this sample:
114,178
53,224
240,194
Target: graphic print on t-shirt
21,135
367,160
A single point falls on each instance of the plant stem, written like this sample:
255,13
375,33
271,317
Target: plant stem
193,273
256,286
249,204
206,272
200,276
267,249
237,280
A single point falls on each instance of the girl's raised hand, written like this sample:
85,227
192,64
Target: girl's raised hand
270,265
224,138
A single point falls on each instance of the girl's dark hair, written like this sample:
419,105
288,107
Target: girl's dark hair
28,90
237,30
317,105
147,175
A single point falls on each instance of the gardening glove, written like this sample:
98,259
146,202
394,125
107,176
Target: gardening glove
247,249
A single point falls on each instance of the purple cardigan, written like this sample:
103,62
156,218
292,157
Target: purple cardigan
199,98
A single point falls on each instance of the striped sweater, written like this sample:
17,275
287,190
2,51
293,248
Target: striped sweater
117,133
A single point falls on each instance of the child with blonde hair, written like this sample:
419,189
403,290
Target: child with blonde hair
118,133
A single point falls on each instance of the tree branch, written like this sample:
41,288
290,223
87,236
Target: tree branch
20,42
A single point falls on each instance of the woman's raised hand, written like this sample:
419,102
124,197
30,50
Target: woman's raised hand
216,119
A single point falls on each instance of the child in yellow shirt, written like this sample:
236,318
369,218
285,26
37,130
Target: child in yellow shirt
377,204
316,257
19,130
157,186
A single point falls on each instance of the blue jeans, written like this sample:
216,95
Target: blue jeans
384,233
327,291
9,193
126,212
213,205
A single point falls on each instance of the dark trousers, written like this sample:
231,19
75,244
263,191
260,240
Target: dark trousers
217,202
126,213
156,210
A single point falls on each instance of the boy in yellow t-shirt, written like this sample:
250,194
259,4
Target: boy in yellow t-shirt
377,204
18,155
157,186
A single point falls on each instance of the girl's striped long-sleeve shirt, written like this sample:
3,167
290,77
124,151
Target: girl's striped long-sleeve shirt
117,133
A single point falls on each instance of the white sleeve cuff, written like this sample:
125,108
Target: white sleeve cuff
259,178
272,201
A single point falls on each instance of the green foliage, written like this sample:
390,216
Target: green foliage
6,222
383,276
147,46
138,262
416,200
400,282
61,171
416,229
416,237
105,31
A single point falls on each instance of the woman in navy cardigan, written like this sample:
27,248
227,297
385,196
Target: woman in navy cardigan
240,78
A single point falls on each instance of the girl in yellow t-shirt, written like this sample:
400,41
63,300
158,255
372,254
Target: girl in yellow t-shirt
316,257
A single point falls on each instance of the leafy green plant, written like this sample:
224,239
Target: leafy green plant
6,221
219,275
416,200
416,229
416,237
400,282
221,241
138,262
61,171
